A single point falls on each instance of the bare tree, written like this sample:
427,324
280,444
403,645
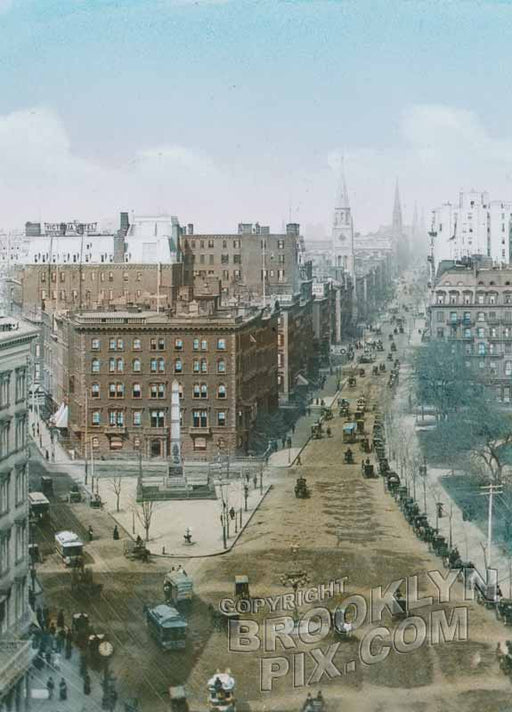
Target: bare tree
116,485
144,512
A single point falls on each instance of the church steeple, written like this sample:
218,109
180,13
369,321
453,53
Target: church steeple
342,227
397,213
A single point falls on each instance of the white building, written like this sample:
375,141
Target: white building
343,230
474,226
16,652
152,239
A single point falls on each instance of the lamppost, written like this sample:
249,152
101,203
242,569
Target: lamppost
246,494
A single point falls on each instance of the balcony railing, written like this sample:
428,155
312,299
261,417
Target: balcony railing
15,659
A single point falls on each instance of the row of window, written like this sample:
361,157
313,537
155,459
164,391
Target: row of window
156,390
19,476
115,344
211,243
116,365
92,276
467,298
467,317
157,418
20,385
102,294
20,435
20,545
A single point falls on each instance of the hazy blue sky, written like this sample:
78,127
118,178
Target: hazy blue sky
225,111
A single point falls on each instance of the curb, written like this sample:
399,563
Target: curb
215,553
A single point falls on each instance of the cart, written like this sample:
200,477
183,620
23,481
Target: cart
178,587
242,586
350,432
178,697
301,489
136,551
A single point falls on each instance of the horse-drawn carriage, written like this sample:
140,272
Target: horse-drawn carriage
350,432
317,431
301,489
393,347
368,470
136,551
352,382
365,445
392,483
82,583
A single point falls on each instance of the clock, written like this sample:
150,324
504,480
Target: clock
105,649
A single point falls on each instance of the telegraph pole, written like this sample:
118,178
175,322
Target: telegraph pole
490,491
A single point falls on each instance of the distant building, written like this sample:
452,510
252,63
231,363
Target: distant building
295,356
250,264
474,225
343,254
16,652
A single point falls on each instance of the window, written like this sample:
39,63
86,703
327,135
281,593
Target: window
152,344
112,344
221,344
280,244
20,432
178,366
493,298
200,419
440,335
467,333
96,417
453,317
195,344
221,418
116,418
136,390
196,366
161,344
440,298
95,344
5,551
161,390
111,365
137,345
20,491
136,365
480,299
221,391
157,419
20,384
493,332
467,317
125,276
111,390
21,540
196,390
480,332
480,316
95,390
221,366
161,365
280,275
224,259
204,365
204,345
481,349
237,259
137,418
110,276
120,365
508,368
440,317
178,344
204,390
120,345
120,390
211,243
95,365
153,365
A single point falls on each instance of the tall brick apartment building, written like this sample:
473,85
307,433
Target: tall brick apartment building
126,361
249,263
54,287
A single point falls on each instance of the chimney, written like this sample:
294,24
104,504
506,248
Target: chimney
124,223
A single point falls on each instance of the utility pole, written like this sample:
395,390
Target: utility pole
490,491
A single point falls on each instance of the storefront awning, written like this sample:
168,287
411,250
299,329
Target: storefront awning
61,417
301,380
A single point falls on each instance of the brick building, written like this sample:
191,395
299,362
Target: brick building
226,366
473,306
251,263
54,287
295,345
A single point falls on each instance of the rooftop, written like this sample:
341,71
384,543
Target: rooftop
12,329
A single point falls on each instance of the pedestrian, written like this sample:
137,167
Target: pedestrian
33,430
283,441
60,619
47,455
50,686
87,684
63,689
289,443
48,656
38,432
56,661
69,649
255,481
90,532
293,428
46,616
299,461
40,616
61,640
53,455
116,533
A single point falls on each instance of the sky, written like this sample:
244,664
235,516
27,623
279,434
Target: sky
228,111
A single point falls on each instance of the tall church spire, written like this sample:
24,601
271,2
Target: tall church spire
397,213
342,194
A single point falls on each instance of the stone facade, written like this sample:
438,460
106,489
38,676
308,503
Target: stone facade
474,307
16,653
119,368
295,346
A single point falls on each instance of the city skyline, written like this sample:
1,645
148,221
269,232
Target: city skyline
164,107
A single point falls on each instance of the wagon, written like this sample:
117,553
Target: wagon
178,697
136,551
350,432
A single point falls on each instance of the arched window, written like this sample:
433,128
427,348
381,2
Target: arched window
196,367
95,365
204,365
153,365
197,390
204,390
95,390
161,365
221,366
178,366
136,390
221,391
120,365
136,365
508,368
180,389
